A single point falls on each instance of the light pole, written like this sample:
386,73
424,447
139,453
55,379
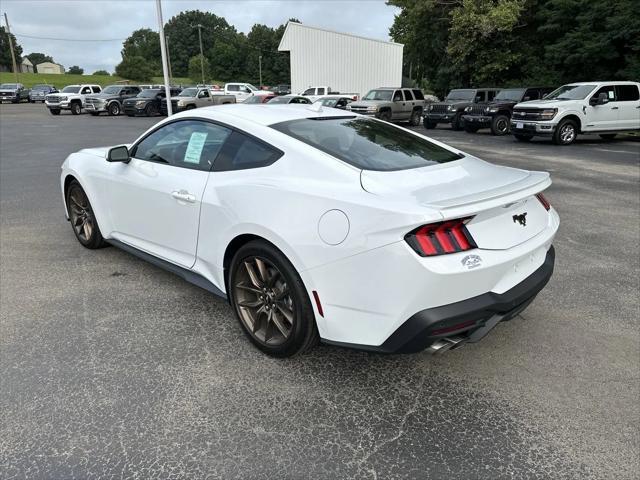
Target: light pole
165,63
260,69
168,58
199,27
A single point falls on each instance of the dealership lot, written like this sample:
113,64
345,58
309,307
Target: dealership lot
114,368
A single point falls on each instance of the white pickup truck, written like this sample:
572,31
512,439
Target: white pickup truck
241,91
72,97
314,93
603,108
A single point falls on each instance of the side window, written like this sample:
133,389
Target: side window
241,152
627,93
305,101
188,144
321,91
233,88
203,94
309,91
418,94
610,90
125,91
134,90
531,94
480,96
397,96
85,90
95,89
407,95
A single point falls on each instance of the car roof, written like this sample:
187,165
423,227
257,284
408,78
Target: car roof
262,114
618,82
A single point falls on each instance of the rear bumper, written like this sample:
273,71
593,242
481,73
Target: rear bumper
481,121
532,128
477,315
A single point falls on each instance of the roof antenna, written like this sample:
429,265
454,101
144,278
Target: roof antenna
315,107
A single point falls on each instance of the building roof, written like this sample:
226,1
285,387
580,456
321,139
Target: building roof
291,26
26,61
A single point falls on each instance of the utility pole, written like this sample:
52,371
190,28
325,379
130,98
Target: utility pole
169,58
13,55
260,69
165,63
199,27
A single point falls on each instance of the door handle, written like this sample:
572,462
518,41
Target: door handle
184,196
614,108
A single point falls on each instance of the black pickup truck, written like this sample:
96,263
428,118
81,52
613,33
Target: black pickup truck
496,114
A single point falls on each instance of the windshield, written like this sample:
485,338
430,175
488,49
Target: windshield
513,95
254,99
367,143
148,93
111,90
461,95
328,102
40,87
280,99
251,87
9,86
378,95
71,89
570,92
188,92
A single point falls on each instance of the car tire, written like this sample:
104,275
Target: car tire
385,115
414,121
54,111
457,123
76,108
190,107
565,133
151,110
500,125
471,129
263,281
429,125
83,220
522,138
608,136
113,109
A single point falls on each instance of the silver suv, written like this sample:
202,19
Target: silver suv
391,104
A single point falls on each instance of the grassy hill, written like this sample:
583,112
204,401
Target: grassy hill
59,81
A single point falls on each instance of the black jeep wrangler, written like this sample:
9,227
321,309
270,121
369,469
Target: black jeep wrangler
452,108
496,114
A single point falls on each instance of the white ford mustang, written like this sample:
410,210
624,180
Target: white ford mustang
316,223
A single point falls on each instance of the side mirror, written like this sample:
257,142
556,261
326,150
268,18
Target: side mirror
526,99
601,99
118,154
477,99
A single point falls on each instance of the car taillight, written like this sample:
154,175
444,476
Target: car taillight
543,200
441,238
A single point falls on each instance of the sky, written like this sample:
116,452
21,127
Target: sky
115,20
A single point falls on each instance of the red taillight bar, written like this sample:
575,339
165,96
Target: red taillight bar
441,238
543,200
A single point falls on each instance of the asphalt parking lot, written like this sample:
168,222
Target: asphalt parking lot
112,368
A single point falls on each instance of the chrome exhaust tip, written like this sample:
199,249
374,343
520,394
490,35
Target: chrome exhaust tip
444,344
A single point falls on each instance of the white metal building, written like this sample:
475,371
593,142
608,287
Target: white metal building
344,62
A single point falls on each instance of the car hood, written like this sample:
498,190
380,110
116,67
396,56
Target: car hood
368,103
458,187
545,103
102,96
457,102
7,90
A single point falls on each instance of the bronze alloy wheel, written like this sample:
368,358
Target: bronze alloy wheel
81,215
82,218
264,302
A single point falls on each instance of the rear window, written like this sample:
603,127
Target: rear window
418,94
367,143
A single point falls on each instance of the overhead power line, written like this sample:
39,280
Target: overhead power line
72,39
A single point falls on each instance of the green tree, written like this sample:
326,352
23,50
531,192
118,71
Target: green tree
75,70
5,51
183,37
197,65
144,43
37,58
134,68
101,72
